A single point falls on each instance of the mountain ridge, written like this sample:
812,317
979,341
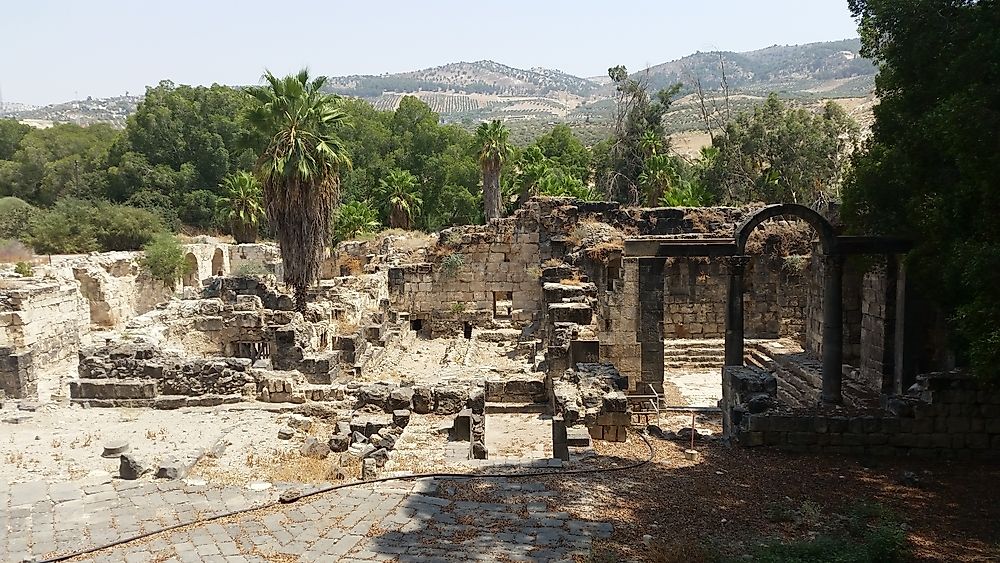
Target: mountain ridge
469,92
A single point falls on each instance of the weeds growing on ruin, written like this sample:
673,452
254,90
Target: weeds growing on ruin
250,270
23,269
452,263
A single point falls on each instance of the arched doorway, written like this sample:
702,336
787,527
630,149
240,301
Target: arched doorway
191,275
218,263
833,273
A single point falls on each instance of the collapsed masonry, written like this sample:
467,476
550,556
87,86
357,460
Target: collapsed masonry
582,307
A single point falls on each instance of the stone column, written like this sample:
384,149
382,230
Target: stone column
904,349
650,335
833,328
736,266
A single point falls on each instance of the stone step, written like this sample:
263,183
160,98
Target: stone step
579,313
693,357
516,390
578,437
113,389
516,408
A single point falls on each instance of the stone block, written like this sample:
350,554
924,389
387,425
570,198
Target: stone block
401,398
314,448
449,400
131,468
400,418
423,400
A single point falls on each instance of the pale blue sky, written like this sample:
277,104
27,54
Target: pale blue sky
53,51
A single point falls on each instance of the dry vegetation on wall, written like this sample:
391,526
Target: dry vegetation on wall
705,219
781,238
597,240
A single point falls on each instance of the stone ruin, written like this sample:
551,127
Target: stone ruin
586,314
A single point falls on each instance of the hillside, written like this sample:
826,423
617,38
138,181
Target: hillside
469,92
834,69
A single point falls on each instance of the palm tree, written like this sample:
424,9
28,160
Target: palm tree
491,141
402,198
243,206
657,178
353,219
299,167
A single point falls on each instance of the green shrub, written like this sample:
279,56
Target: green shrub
74,226
119,227
23,269
164,259
452,263
250,270
198,209
15,218
66,228
353,219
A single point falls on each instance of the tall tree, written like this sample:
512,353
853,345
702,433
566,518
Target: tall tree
401,195
930,169
494,150
299,166
637,116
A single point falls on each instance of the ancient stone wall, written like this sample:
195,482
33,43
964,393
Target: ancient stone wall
952,416
877,327
478,273
41,322
854,272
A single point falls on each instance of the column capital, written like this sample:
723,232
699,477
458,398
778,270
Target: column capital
835,260
736,264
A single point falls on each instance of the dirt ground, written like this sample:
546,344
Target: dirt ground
734,499
439,360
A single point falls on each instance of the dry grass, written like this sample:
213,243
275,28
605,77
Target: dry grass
601,252
571,281
354,264
704,220
780,238
12,251
292,467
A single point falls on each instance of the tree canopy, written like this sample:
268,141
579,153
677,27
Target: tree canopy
930,170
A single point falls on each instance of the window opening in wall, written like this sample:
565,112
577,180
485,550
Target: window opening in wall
252,350
503,304
467,329
218,263
607,324
613,273
416,325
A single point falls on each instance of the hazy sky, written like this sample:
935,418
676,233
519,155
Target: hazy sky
52,51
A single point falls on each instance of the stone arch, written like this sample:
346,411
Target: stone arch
218,262
827,234
192,276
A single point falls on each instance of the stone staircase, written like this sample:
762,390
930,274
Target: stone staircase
517,393
693,354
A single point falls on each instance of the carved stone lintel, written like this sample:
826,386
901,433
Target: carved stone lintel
833,260
736,265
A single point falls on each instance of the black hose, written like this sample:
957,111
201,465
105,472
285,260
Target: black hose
290,498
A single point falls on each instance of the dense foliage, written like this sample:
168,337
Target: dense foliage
780,153
931,169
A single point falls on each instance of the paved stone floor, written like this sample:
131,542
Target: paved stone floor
407,521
